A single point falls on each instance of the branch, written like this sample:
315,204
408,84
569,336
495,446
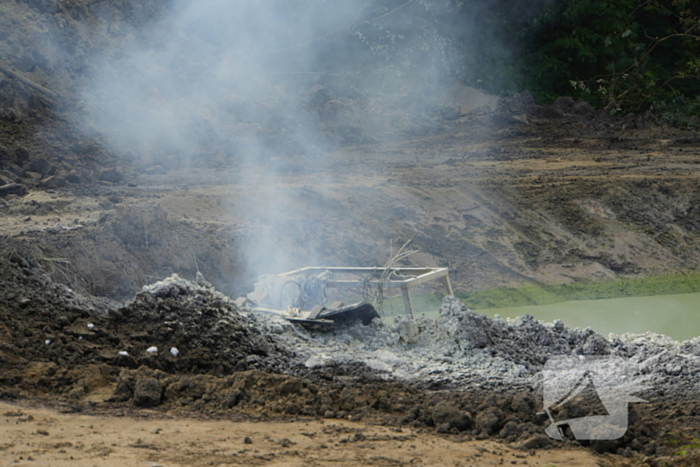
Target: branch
13,74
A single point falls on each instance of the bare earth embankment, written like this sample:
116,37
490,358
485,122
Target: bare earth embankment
510,195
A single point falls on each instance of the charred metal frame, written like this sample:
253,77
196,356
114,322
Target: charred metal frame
417,276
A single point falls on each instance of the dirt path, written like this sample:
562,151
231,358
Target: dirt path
34,436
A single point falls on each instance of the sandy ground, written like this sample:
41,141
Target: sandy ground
35,436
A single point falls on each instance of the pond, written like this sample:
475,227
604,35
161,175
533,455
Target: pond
677,316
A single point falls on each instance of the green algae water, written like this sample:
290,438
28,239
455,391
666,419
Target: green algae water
677,316
667,304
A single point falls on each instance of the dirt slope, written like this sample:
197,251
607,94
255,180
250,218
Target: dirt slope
553,201
509,196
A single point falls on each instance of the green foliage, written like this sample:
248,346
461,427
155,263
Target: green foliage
548,294
621,55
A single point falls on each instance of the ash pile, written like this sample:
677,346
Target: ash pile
465,349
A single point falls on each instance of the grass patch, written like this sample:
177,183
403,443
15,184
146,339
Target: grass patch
548,294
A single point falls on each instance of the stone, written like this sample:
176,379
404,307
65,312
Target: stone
537,442
53,181
452,416
73,177
112,175
291,386
21,155
41,166
13,189
124,390
509,429
148,392
523,404
488,421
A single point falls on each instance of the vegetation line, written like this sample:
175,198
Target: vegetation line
547,294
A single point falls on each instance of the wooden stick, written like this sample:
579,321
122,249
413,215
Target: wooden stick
13,74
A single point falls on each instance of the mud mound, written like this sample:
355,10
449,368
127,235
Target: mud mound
47,331
209,332
183,346
35,313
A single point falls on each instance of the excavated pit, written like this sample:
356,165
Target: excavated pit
463,373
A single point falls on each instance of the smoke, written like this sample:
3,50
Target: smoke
266,88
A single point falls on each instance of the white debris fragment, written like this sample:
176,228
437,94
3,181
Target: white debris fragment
153,349
174,351
47,341
123,353
90,326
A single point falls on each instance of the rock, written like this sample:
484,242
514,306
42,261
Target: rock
14,169
509,429
583,108
248,440
53,181
407,329
444,428
13,189
605,446
125,388
77,393
41,166
537,442
291,386
147,392
112,175
488,421
522,404
452,306
21,155
596,345
452,416
73,177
